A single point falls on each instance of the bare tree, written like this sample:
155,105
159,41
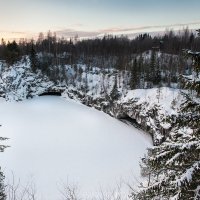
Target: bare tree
69,191
16,191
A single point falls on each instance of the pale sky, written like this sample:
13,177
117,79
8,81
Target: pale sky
26,18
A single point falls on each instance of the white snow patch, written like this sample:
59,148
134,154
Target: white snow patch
54,140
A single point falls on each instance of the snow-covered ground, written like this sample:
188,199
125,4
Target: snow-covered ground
55,141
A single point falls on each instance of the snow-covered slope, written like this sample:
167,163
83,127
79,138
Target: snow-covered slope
54,141
154,108
17,82
151,108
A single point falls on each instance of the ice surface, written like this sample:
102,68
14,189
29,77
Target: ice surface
54,140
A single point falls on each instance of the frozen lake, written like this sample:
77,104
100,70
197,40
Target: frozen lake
55,141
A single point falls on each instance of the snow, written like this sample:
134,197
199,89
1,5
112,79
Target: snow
55,140
151,96
188,175
157,105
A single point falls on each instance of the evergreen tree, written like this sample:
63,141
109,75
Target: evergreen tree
11,52
152,67
33,58
134,75
2,186
157,76
193,83
114,94
173,168
141,72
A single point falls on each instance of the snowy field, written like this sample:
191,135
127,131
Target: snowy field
55,141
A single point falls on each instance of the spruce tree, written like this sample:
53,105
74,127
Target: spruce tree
12,52
2,186
114,94
155,71
134,75
33,58
152,66
173,168
157,78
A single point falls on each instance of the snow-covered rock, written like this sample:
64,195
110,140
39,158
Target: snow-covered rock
150,108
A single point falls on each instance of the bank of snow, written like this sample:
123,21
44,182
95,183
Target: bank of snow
154,108
54,140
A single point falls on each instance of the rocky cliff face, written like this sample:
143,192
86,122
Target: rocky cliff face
151,109
142,106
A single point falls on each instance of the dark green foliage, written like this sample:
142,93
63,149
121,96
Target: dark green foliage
114,94
155,71
152,67
134,75
157,79
45,64
108,52
33,58
173,168
190,115
193,83
2,186
11,52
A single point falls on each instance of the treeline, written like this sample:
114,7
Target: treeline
170,42
162,61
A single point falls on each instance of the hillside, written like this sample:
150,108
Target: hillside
105,90
158,110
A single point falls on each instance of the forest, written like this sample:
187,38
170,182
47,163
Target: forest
151,61
170,60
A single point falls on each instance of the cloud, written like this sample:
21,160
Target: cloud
72,32
76,30
13,35
18,32
144,28
118,30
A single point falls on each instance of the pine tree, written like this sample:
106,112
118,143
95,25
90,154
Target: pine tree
134,75
11,52
173,168
193,83
141,72
157,78
114,94
2,186
155,72
152,66
33,58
